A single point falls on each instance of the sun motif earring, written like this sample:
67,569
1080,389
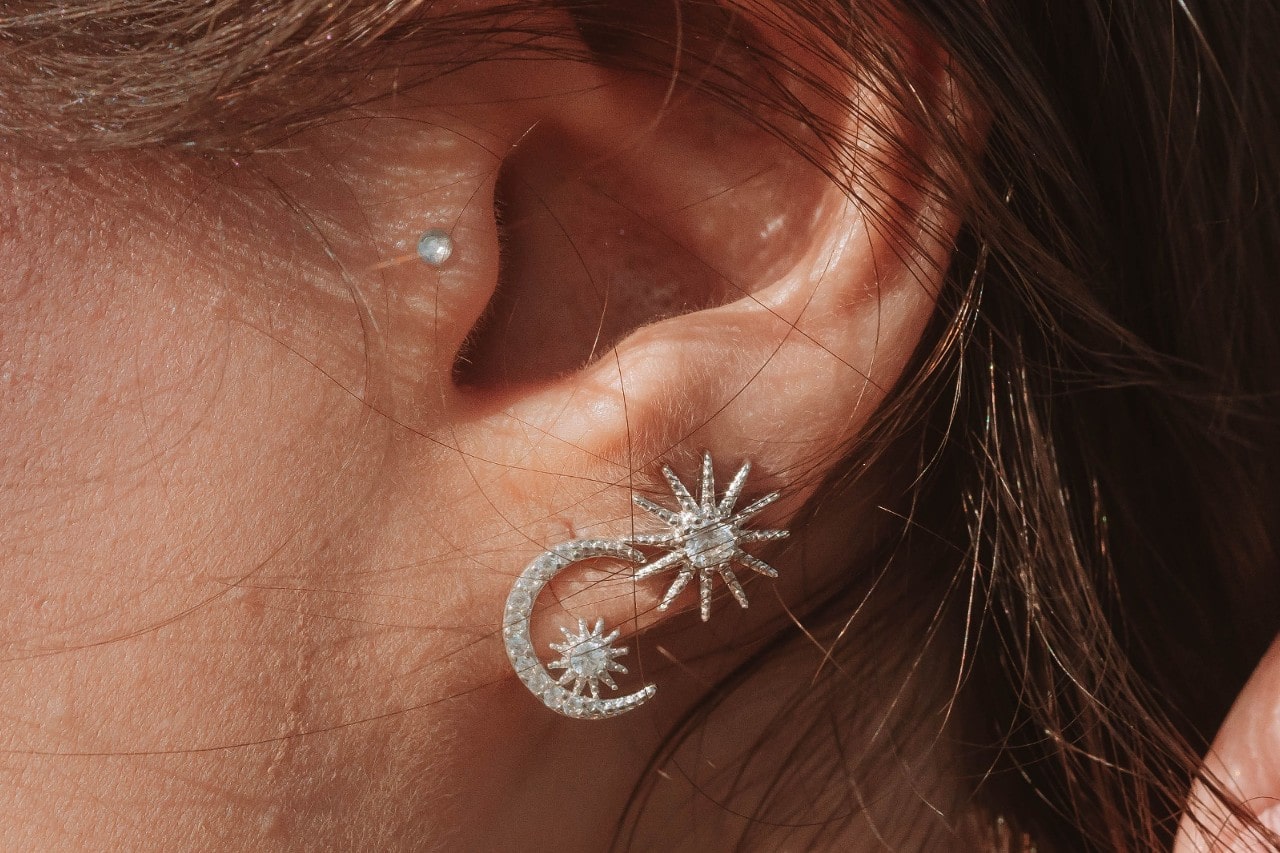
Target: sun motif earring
587,657
704,538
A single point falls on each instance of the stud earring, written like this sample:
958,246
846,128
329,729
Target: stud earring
587,657
704,538
435,246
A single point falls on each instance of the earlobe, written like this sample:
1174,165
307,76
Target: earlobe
703,537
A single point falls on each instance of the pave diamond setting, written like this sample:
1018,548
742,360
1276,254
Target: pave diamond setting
587,657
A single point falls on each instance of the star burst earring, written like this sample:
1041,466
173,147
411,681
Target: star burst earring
704,538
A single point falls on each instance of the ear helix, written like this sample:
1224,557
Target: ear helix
703,539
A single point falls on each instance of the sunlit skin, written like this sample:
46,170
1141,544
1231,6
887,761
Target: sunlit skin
257,533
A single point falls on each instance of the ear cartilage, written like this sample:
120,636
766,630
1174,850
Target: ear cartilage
704,538
435,246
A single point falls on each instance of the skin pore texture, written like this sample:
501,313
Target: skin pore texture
268,478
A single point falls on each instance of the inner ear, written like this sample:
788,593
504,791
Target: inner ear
624,212
582,265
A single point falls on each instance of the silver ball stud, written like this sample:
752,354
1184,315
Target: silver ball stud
435,246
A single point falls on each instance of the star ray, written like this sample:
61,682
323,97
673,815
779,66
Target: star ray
663,563
759,566
661,512
677,586
708,492
704,595
687,503
654,539
734,491
756,506
749,536
735,586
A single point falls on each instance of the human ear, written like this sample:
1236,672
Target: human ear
673,279
289,441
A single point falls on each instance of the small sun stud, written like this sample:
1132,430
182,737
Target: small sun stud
705,537
587,658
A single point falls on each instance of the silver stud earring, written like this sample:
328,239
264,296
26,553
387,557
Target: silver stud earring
586,657
704,538
435,246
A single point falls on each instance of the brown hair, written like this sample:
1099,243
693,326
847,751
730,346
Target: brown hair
1092,418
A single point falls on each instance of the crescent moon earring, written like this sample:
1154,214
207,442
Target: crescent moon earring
587,657
703,538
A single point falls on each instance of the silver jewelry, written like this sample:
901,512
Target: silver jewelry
435,246
705,537
586,657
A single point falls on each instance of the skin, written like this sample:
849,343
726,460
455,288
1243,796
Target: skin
1245,761
259,519
268,478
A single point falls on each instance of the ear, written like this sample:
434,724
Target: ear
676,279
1244,763
668,277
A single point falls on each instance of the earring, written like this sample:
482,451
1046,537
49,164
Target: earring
435,246
705,537
587,657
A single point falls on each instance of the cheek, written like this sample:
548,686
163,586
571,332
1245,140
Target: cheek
213,377
156,451
175,447
190,480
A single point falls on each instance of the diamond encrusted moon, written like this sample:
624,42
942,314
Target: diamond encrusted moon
519,643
